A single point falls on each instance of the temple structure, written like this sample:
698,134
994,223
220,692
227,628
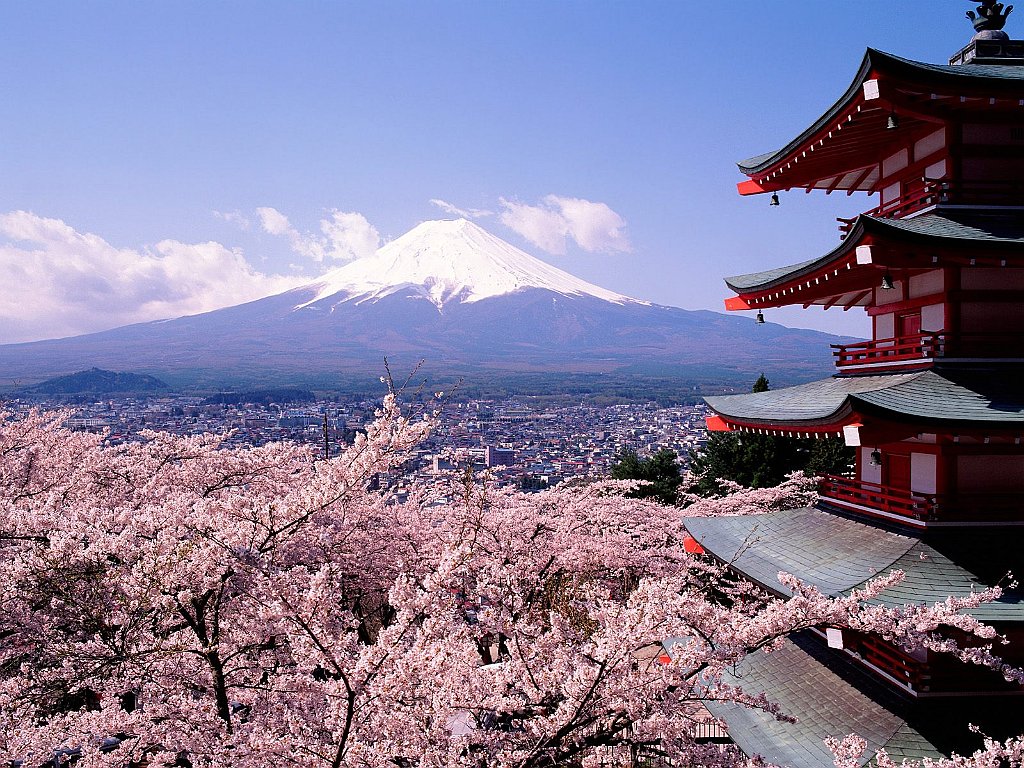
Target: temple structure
933,403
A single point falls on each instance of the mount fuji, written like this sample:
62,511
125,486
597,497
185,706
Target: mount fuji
447,292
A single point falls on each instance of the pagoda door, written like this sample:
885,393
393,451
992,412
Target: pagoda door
909,325
897,472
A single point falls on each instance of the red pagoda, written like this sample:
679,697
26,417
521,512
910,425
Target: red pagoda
933,403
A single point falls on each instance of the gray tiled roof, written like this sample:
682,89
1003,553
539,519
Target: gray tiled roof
996,78
817,400
954,397
948,396
830,552
991,228
823,703
838,555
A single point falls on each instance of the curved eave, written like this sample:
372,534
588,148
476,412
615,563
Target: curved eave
836,144
843,276
791,541
825,697
971,401
829,427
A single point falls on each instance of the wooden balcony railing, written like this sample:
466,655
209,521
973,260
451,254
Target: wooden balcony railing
920,347
914,507
895,662
931,192
919,509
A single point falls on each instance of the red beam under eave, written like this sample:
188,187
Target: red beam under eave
734,303
750,187
717,424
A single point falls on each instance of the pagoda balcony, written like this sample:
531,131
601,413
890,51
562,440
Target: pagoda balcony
930,194
922,350
903,352
874,499
919,509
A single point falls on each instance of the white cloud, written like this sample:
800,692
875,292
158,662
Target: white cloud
343,236
60,282
465,213
275,222
237,218
349,236
594,227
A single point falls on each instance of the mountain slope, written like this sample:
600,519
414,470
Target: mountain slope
447,292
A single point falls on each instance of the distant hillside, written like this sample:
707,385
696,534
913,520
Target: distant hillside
100,382
262,397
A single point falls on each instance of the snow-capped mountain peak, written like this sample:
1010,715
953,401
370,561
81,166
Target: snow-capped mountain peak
451,260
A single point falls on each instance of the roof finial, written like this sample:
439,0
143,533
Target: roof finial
989,20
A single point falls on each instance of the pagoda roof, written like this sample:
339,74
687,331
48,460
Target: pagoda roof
830,153
945,398
838,555
985,232
806,683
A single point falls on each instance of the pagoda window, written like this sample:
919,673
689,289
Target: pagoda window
885,326
924,473
870,472
936,171
990,474
929,145
927,284
895,163
995,318
992,279
891,193
933,317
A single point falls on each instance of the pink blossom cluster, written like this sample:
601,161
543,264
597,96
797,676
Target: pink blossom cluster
798,490
177,602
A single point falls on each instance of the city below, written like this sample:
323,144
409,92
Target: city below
532,446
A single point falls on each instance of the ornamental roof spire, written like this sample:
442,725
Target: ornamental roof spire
990,44
989,20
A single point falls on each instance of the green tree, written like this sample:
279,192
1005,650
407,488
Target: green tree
661,472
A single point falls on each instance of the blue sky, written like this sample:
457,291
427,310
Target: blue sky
166,157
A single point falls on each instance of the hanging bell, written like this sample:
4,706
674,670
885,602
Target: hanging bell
760,318
893,122
774,200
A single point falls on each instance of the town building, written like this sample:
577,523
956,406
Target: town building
933,404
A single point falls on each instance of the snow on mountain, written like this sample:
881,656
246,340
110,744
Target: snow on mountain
451,261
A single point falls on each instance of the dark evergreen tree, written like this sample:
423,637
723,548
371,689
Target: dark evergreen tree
661,471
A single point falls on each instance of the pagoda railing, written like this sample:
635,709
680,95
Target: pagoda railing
922,349
889,659
921,508
931,192
873,496
916,348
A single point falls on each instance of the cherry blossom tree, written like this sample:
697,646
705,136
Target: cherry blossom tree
177,602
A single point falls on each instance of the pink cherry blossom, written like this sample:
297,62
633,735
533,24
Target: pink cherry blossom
176,599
